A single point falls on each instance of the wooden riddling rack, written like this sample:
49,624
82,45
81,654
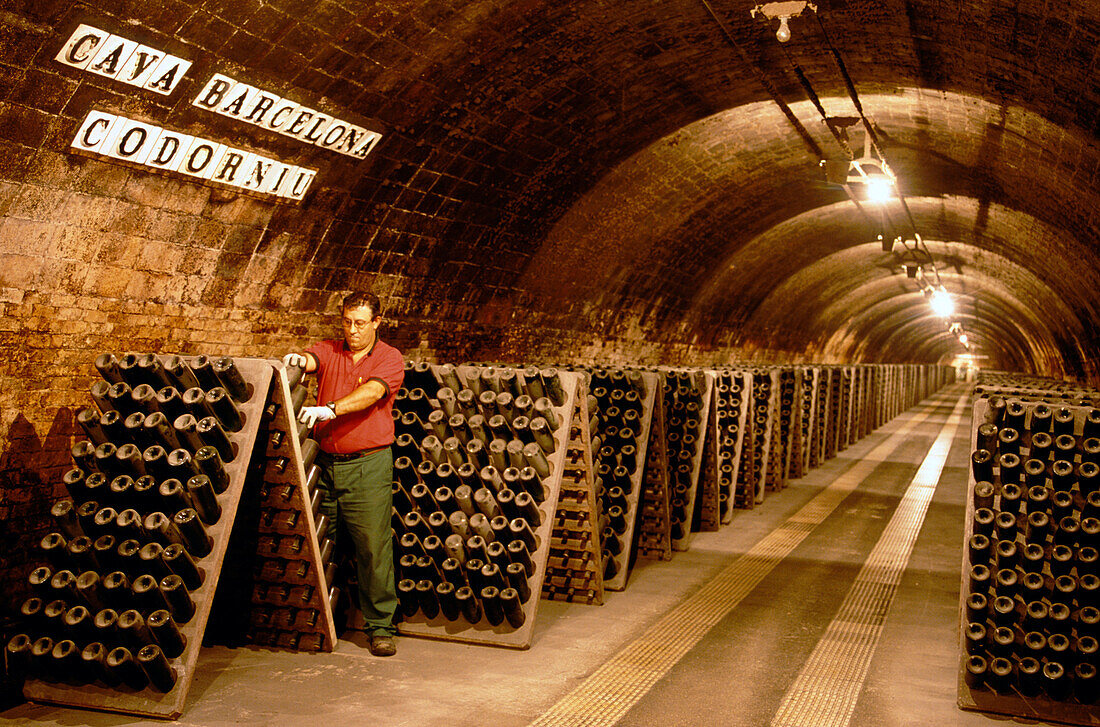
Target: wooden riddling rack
747,468
731,412
288,563
83,682
765,394
858,426
708,514
806,401
687,406
575,566
833,419
565,392
1034,573
783,432
1061,393
822,412
844,422
654,532
618,391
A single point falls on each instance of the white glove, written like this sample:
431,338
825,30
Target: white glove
295,359
310,415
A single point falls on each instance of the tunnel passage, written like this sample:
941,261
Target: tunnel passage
572,182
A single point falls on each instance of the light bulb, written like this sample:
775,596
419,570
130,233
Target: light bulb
784,32
964,339
941,302
879,189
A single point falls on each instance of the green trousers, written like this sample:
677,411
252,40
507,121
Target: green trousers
357,497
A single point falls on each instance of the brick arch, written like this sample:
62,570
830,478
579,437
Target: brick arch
695,233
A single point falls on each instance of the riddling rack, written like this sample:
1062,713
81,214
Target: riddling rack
822,407
730,422
126,583
654,539
784,428
625,400
480,457
805,401
291,598
707,500
748,467
1029,592
687,403
575,566
833,424
764,408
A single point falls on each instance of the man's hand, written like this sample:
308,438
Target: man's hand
310,415
295,359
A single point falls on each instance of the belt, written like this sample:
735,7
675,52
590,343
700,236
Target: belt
349,456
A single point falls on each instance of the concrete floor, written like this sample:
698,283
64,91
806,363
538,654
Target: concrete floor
737,674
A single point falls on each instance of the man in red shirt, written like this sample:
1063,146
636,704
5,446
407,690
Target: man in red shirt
358,379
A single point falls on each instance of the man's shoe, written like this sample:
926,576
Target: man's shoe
381,644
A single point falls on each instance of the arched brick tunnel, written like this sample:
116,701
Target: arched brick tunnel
575,182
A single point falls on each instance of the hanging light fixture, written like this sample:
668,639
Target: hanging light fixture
784,11
878,180
941,302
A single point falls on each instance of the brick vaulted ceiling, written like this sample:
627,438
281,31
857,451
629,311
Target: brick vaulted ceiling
624,171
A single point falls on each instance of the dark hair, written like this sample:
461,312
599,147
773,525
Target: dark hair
362,299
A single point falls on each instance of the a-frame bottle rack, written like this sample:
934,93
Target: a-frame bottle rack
844,424
765,395
833,424
654,539
748,469
468,435
707,501
821,420
732,410
1029,618
290,595
621,461
133,568
575,566
813,422
804,402
687,403
784,428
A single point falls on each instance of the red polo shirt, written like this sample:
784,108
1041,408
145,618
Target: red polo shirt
338,375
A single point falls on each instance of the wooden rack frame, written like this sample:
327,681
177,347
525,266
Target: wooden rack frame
763,430
148,701
708,515
707,381
833,417
624,559
723,454
287,491
804,400
574,568
747,471
1012,701
816,439
784,431
654,534
504,634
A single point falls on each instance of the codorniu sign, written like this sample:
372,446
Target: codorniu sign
129,140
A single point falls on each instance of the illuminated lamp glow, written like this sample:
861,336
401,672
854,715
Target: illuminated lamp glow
941,302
